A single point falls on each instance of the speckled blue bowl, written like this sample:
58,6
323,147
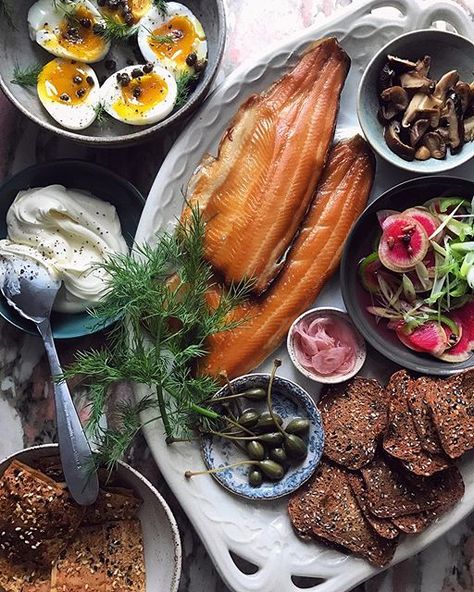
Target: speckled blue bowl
289,400
74,174
449,51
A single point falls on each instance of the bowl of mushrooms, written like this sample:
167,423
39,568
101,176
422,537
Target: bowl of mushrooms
416,101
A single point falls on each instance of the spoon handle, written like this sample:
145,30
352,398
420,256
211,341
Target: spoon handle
76,455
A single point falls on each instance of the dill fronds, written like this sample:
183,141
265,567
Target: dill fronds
162,6
27,76
114,31
146,290
185,82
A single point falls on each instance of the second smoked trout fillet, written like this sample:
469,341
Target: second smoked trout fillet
254,195
341,196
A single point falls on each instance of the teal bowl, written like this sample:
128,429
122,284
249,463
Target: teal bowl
75,174
448,51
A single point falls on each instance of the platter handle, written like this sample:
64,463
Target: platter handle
442,10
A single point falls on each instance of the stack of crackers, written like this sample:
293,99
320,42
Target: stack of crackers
50,544
389,459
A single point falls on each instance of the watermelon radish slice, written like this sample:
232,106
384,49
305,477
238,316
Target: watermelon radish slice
460,351
382,215
430,337
404,243
429,222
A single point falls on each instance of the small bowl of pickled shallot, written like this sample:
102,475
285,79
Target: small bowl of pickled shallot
325,346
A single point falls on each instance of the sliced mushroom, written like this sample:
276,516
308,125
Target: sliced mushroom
422,153
454,119
469,129
443,132
436,145
444,85
394,100
401,65
413,80
423,66
418,130
463,91
395,142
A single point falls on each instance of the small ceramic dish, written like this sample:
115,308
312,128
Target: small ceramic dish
448,51
17,49
161,539
289,400
327,312
73,174
360,243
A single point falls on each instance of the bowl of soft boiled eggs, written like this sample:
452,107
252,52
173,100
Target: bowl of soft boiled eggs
109,72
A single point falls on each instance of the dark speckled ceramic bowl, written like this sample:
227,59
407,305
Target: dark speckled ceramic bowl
360,244
17,48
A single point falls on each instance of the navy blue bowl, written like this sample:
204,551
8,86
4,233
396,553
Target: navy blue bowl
360,244
73,174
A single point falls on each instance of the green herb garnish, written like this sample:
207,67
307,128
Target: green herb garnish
160,295
111,30
26,76
101,114
184,82
162,6
160,39
6,14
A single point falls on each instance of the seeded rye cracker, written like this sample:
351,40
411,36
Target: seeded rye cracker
382,526
37,515
327,508
23,577
453,413
391,492
422,416
112,505
354,416
401,439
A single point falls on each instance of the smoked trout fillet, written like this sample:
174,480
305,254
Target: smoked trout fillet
254,195
341,196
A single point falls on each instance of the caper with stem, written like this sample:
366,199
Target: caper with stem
255,477
271,469
255,450
266,421
298,425
278,454
249,418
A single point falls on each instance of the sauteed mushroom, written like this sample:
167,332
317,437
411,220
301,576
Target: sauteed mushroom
395,142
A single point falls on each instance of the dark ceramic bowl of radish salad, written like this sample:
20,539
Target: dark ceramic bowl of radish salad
407,274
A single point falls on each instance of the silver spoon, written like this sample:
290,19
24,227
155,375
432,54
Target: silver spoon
30,289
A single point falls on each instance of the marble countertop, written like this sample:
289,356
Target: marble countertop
26,407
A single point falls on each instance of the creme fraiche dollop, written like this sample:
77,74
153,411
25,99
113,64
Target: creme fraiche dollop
70,232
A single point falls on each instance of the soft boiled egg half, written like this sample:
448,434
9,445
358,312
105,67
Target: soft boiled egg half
139,95
71,29
70,92
176,40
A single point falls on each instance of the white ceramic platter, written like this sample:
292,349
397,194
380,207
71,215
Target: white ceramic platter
233,529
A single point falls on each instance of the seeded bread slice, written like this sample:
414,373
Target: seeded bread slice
37,515
23,577
354,416
125,557
112,505
327,509
421,413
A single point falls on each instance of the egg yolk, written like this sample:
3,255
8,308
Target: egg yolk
184,35
141,95
138,9
64,81
77,36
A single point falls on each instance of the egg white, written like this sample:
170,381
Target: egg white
155,19
111,93
44,22
73,116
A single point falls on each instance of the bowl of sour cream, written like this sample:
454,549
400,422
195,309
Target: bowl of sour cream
70,216
325,346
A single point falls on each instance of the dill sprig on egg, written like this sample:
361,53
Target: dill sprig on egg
160,295
162,6
101,114
27,76
160,39
6,14
114,31
184,81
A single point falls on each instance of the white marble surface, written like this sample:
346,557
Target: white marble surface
26,412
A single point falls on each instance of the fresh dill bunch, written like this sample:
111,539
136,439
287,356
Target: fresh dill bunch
162,6
160,293
185,82
6,14
27,76
113,31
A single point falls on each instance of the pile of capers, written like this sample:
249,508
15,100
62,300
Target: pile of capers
270,446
